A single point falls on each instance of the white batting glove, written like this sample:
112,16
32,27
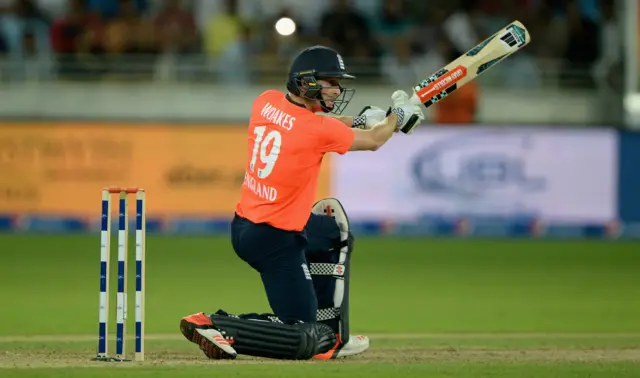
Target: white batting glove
409,112
369,117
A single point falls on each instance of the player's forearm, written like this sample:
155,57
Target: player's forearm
347,120
385,129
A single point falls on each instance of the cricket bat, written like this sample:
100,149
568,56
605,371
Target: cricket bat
467,67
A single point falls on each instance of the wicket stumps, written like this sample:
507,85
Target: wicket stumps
121,298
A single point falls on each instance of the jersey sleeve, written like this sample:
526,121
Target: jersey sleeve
334,136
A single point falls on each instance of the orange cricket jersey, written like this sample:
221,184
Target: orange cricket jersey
286,144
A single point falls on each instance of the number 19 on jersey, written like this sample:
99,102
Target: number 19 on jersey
260,147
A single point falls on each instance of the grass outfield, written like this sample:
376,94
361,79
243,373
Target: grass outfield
437,308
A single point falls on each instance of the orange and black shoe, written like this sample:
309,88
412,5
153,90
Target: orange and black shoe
355,345
199,329
189,324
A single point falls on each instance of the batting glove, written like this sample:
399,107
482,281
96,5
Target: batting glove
368,117
409,112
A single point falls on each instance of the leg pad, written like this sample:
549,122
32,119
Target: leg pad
266,336
329,255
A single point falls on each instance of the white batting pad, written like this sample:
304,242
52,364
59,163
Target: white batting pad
333,207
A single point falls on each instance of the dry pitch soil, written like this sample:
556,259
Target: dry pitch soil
51,357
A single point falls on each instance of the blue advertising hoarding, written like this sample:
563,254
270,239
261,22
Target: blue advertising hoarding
629,173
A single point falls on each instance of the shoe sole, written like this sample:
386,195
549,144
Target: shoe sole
188,330
210,349
342,353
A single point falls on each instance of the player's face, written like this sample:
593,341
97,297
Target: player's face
330,91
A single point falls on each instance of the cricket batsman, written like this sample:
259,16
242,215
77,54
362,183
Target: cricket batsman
302,250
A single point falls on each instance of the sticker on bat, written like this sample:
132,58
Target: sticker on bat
431,78
440,95
441,83
474,51
514,36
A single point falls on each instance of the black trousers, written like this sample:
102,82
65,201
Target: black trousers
280,258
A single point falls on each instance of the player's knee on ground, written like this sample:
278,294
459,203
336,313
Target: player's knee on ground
266,336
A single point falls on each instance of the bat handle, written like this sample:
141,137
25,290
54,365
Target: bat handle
415,99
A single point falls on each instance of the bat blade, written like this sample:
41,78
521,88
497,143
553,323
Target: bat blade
472,64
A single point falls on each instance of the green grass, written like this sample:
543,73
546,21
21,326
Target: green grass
422,299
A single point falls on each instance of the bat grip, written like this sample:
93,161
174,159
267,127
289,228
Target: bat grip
415,99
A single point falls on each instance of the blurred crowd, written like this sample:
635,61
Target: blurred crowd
575,42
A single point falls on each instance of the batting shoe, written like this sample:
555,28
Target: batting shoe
199,329
189,324
214,345
355,345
